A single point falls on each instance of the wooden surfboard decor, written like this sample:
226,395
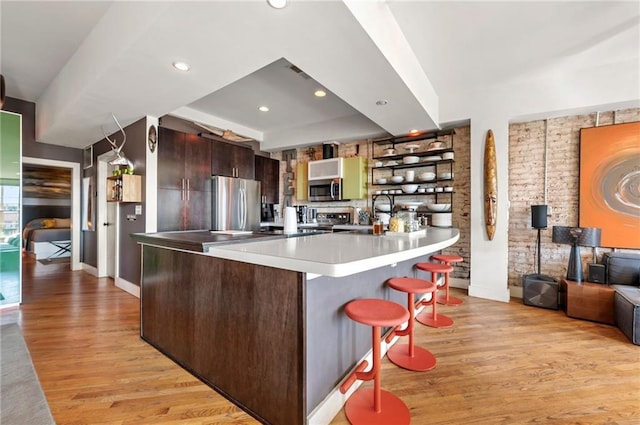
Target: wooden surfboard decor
490,185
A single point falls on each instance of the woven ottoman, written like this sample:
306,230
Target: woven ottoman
627,308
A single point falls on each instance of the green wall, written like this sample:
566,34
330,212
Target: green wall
10,240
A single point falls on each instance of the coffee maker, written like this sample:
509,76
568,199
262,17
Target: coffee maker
266,212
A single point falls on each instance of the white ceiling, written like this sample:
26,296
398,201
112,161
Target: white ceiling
82,60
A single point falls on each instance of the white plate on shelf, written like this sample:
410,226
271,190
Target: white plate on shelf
431,158
390,163
412,205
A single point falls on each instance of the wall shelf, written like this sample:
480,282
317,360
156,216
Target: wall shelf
124,188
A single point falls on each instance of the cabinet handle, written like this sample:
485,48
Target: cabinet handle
182,191
188,189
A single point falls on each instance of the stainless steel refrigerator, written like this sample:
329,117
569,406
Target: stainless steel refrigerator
236,204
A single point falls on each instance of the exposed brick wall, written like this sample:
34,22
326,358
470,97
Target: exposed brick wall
526,188
462,201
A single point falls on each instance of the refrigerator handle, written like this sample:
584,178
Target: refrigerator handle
188,189
182,192
243,209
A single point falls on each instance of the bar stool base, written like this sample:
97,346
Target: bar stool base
421,361
441,321
453,301
359,409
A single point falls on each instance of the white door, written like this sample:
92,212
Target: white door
107,222
112,217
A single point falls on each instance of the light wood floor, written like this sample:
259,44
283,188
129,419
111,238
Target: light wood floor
501,363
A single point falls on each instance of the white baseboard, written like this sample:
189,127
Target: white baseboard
127,286
89,269
459,283
516,291
123,284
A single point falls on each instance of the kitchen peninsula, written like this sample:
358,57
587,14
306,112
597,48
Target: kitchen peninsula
261,319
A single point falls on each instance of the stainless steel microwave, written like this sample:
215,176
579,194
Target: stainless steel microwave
325,190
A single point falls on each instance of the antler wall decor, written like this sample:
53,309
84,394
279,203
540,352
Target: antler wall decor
120,158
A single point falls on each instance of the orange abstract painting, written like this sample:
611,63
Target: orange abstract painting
610,183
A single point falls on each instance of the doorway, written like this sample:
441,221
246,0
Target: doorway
75,201
107,222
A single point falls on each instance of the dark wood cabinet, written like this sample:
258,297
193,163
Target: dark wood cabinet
232,160
170,159
197,160
184,161
268,174
184,181
177,211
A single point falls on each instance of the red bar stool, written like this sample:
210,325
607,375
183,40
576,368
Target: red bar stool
408,356
448,259
434,319
359,408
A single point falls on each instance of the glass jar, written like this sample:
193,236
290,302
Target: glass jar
396,224
410,222
377,227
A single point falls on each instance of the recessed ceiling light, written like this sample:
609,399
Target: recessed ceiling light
264,108
181,66
320,93
277,4
382,102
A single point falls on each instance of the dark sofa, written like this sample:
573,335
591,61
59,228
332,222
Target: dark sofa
623,274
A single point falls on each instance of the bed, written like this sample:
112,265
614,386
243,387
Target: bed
48,238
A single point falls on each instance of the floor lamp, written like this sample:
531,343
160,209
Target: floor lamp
576,237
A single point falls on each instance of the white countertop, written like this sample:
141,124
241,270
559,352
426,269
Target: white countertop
336,254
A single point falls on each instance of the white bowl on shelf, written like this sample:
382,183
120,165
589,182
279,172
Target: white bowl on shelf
409,188
441,220
378,164
383,207
447,155
426,176
445,176
448,189
397,179
438,207
381,181
436,145
410,159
